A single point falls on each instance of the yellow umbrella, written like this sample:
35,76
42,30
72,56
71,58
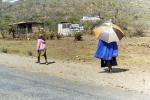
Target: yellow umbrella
99,30
109,32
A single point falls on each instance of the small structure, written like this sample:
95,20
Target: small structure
90,18
66,28
27,27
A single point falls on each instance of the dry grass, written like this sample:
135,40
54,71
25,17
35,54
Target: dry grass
65,48
133,52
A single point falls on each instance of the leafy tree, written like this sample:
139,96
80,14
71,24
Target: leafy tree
4,24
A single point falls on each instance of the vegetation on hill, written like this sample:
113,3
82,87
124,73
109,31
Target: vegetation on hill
52,12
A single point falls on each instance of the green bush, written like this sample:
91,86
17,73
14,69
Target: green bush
51,36
58,36
30,53
4,50
78,36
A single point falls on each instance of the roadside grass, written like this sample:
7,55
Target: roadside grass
65,48
132,51
17,46
135,52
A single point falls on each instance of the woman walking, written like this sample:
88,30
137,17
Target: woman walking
107,52
41,48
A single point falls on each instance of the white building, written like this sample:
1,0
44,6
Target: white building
90,18
66,28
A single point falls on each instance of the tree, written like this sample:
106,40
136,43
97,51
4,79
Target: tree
5,20
12,31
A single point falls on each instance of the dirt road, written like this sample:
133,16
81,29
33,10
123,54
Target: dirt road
123,77
21,85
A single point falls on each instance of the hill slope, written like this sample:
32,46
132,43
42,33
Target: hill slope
69,9
54,11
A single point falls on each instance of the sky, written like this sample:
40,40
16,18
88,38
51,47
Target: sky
10,0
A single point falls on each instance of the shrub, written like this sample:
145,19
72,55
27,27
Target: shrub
4,50
88,32
30,53
78,36
51,36
58,36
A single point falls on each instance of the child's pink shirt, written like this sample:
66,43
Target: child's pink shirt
41,44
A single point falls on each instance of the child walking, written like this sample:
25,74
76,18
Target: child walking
41,48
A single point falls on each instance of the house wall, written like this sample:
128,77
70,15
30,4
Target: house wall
69,29
36,28
63,30
90,18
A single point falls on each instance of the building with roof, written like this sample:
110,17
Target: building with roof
27,27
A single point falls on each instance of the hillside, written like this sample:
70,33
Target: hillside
66,9
52,12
